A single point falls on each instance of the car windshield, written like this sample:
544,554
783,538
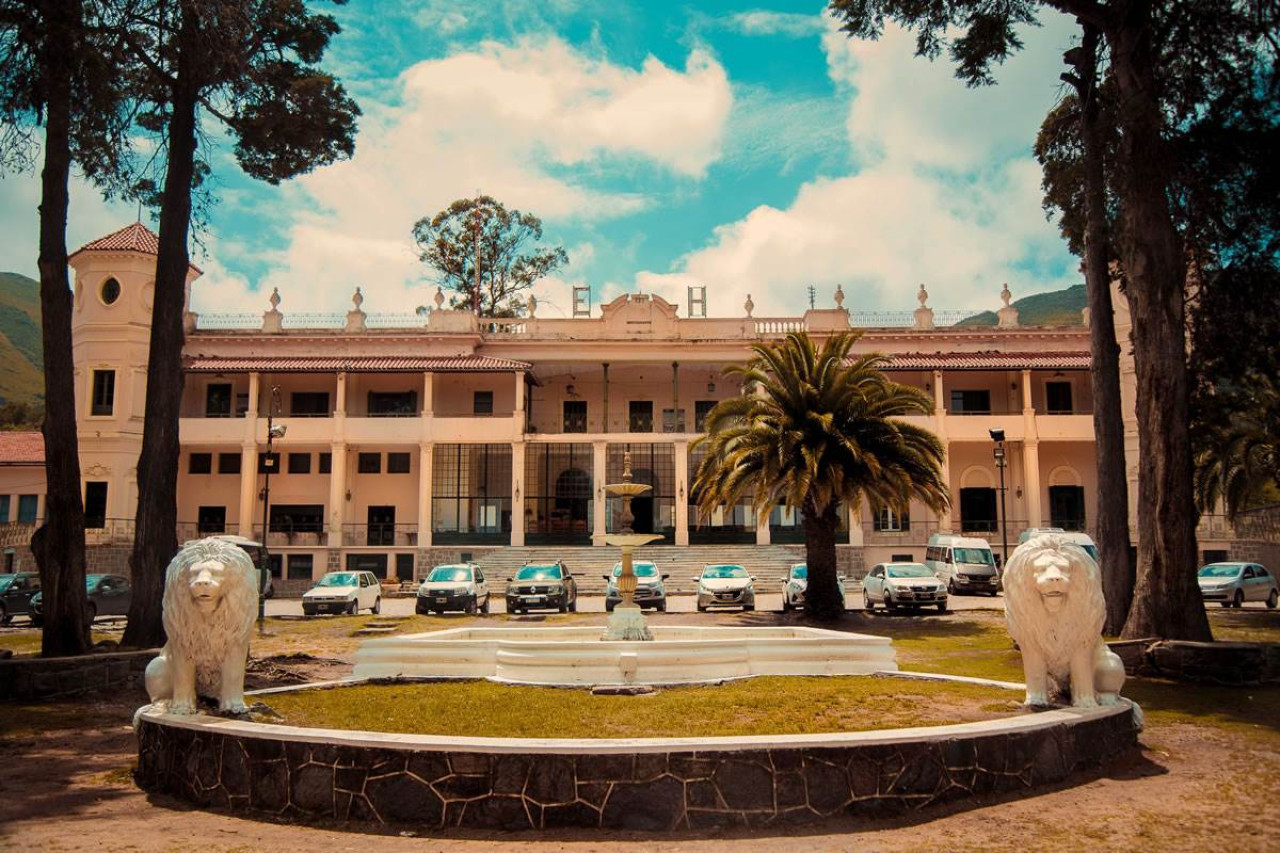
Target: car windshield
980,556
642,570
538,573
800,572
724,572
1220,570
5,580
910,570
1092,551
339,579
445,574
90,581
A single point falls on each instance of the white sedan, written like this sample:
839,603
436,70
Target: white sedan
796,583
1233,584
903,585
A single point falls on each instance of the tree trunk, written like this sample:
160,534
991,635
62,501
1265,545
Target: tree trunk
822,599
59,543
155,541
1108,421
1166,600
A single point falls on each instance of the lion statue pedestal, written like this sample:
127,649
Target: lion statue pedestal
210,603
1055,612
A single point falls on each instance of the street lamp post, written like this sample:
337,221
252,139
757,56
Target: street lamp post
274,431
997,435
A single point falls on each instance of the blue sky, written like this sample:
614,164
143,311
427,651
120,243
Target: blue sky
748,147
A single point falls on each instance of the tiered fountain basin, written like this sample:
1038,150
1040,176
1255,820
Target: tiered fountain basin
577,656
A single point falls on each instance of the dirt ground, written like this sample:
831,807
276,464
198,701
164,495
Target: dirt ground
1201,781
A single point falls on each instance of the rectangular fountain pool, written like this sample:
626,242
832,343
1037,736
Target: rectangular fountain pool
577,656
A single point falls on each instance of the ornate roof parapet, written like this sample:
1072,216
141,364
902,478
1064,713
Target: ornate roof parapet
924,314
1008,315
273,320
356,316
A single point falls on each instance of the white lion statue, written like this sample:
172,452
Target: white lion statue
210,603
1055,610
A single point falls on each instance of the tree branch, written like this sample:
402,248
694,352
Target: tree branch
1088,11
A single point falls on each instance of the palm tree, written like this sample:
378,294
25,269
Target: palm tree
817,430
1239,455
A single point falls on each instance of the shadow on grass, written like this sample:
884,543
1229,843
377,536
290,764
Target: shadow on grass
1247,626
1237,709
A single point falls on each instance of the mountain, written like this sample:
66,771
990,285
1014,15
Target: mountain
21,357
1056,308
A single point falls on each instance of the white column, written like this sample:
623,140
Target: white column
428,394
940,420
249,485
425,471
1031,477
682,492
517,493
599,521
763,534
855,526
337,492
340,395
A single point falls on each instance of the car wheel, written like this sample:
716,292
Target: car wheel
472,608
377,606
702,608
867,603
942,607
485,607
786,604
353,608
37,621
1238,601
608,607
662,606
573,605
1273,599
889,604
951,587
92,612
747,608
5,618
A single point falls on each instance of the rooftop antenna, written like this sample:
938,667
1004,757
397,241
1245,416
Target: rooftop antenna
812,297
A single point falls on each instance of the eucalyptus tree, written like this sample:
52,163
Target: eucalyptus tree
251,66
61,88
819,431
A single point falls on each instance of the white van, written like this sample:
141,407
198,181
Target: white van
964,564
1081,539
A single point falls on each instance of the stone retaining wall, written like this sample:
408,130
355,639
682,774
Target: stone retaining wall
30,679
514,788
1232,664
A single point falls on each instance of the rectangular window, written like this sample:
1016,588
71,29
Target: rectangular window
200,463
297,518
211,519
95,505
326,463
672,421
228,463
104,393
4,509
269,463
978,511
369,463
558,494
701,409
301,566
299,463
309,404
28,506
971,402
1058,398
892,521
482,403
397,463
393,404
471,493
1066,507
274,562
641,416
217,401
376,563
575,415
382,526
903,558
404,567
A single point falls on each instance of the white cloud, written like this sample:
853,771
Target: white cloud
507,120
947,194
760,22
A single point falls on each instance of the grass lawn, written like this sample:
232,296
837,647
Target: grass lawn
758,706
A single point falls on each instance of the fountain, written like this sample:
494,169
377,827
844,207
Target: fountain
627,620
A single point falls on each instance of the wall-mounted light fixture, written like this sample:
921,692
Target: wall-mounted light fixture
570,391
348,495
711,385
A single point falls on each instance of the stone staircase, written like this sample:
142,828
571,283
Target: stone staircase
769,563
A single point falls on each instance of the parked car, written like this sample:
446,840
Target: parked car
903,585
459,586
1084,540
16,591
1232,584
650,589
546,586
257,553
963,563
343,592
726,586
796,583
109,595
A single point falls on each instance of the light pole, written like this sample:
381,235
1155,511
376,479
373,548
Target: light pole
997,435
274,431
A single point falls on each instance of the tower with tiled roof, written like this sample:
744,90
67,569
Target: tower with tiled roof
111,330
